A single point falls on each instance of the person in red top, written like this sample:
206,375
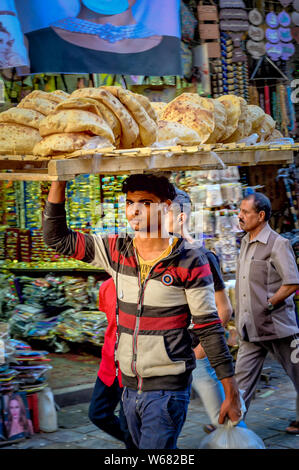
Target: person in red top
108,387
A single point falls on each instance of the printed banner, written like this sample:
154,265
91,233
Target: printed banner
13,52
129,37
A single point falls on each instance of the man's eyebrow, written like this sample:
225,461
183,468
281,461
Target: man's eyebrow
141,200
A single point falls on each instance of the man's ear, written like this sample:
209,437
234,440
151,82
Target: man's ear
262,216
167,205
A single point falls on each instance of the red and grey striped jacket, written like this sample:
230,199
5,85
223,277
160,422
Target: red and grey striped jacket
154,348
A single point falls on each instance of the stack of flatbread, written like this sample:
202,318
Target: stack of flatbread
19,126
192,119
207,117
96,118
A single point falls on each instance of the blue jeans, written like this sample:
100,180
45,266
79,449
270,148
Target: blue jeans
101,411
155,419
210,389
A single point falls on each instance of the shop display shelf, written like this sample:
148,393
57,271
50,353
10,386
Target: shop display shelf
139,160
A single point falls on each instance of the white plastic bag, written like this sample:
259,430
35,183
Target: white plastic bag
46,411
228,436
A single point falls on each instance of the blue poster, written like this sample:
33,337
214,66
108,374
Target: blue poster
13,52
130,37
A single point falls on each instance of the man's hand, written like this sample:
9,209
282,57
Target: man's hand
231,407
57,192
199,352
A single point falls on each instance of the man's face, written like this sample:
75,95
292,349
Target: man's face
143,211
174,219
249,219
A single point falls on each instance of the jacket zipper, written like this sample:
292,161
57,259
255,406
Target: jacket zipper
139,310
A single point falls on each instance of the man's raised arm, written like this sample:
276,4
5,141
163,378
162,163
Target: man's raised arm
59,237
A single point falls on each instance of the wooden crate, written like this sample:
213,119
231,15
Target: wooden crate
147,159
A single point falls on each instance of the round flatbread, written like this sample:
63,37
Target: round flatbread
255,115
159,107
233,111
275,134
143,100
94,106
27,117
53,96
192,111
16,139
244,125
61,143
147,126
175,130
266,128
62,94
75,120
220,120
38,104
129,126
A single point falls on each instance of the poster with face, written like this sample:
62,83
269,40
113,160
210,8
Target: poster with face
130,37
13,52
17,422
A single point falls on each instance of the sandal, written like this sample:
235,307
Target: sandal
293,427
208,428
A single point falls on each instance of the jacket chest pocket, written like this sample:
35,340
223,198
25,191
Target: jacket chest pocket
258,279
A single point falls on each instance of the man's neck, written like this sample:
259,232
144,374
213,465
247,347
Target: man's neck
150,247
256,231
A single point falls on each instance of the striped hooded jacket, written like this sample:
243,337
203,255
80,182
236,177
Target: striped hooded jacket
154,347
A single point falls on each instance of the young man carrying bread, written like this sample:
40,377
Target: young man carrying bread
161,283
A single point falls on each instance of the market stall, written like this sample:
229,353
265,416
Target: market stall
223,105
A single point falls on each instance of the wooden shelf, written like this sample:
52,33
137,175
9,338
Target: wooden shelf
147,159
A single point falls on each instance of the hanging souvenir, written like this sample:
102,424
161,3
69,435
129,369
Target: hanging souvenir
284,19
272,35
272,20
255,33
232,4
255,17
285,34
274,51
267,99
234,25
256,49
233,14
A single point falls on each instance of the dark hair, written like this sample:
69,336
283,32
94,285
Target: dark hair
3,29
260,203
184,201
158,185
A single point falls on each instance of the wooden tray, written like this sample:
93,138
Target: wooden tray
147,159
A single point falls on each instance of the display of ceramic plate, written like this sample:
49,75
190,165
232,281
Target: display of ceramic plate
285,3
255,33
274,50
284,19
272,20
255,17
272,35
295,18
288,49
256,49
285,34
